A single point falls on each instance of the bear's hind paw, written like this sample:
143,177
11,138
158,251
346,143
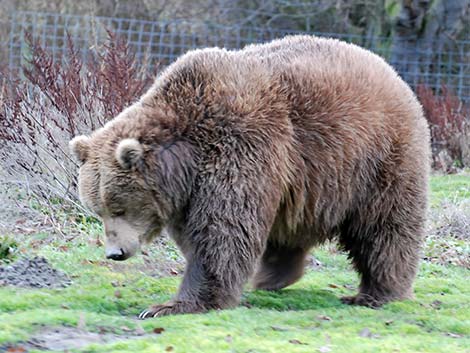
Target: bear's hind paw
363,299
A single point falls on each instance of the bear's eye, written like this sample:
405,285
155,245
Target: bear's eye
119,213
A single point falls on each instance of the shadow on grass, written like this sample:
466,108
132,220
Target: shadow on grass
292,299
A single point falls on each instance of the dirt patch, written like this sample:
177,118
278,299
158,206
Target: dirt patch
64,339
33,273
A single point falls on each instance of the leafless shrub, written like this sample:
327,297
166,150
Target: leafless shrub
448,239
449,120
55,102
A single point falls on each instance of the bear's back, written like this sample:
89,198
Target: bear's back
330,63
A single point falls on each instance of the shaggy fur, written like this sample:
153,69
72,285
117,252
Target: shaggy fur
252,157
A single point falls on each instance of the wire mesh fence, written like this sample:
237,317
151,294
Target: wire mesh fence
433,64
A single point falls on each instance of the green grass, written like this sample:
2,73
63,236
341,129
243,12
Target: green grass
270,322
306,317
452,188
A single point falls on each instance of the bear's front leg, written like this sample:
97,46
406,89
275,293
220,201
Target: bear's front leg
201,290
223,252
227,222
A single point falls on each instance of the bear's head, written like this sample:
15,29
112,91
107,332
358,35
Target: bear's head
131,187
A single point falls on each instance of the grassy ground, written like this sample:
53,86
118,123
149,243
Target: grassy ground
451,188
306,317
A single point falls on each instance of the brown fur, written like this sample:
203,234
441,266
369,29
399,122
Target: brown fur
272,149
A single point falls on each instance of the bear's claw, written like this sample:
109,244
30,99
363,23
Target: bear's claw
145,315
170,308
156,310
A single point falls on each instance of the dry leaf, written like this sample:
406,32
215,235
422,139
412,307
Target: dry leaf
118,294
158,330
294,341
169,349
324,318
332,285
277,328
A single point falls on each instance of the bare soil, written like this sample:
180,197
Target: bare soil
64,339
32,273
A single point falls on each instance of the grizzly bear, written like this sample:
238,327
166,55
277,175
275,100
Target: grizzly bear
250,158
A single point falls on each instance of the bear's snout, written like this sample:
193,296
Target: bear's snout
117,255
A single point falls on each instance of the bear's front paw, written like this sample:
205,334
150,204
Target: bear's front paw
363,299
170,308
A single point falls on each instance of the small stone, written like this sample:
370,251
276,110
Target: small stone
365,332
139,331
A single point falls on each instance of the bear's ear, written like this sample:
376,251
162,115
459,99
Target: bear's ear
129,152
79,147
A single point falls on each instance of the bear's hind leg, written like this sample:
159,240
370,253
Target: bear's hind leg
279,267
385,251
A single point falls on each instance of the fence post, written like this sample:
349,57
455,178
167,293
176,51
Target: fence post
11,43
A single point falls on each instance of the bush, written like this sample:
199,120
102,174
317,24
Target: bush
8,249
55,101
449,121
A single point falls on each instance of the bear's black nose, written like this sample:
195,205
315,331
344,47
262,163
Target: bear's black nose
117,256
